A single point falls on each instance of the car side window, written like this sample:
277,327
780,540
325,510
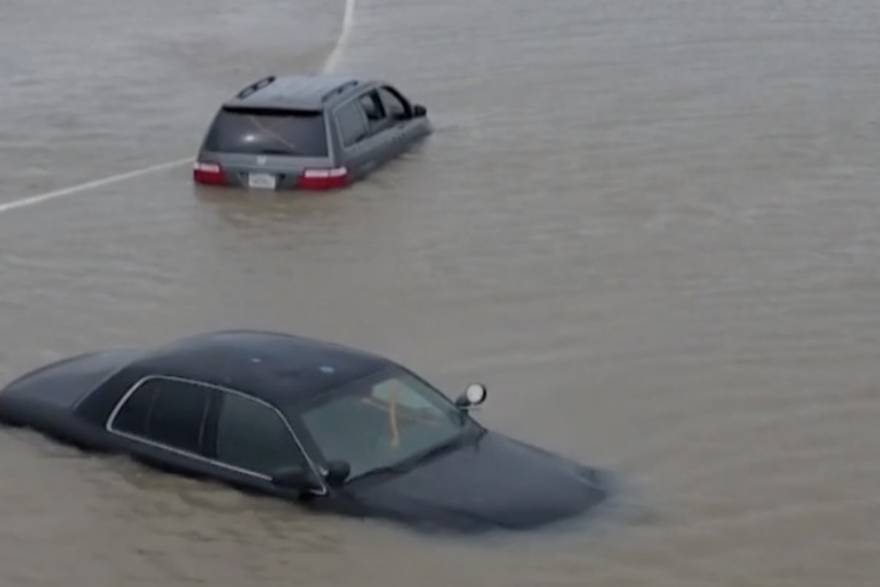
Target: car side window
395,105
166,411
373,108
352,122
251,435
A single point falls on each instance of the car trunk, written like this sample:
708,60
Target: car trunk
260,148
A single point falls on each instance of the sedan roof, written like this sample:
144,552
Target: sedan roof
276,367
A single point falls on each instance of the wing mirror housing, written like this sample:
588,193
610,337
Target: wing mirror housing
337,472
473,396
419,110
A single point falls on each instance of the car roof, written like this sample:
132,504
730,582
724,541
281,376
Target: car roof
279,368
295,92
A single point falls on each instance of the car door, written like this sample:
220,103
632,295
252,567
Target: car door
251,441
407,127
163,421
366,133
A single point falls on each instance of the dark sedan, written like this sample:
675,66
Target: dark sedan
335,427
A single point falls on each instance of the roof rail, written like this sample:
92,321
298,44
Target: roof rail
257,85
339,89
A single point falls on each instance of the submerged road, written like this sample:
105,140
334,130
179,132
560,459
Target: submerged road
650,229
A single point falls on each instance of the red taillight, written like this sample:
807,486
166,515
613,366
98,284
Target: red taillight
323,179
209,173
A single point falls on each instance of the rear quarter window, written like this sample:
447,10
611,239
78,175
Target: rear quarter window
268,132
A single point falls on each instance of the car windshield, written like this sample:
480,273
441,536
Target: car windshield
268,132
382,421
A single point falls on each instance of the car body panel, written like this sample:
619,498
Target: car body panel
493,481
47,399
64,383
238,168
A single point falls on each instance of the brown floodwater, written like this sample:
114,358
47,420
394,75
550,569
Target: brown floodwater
651,228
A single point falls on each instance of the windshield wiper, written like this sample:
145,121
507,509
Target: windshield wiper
387,470
441,448
409,463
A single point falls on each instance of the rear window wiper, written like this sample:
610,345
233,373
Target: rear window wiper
276,152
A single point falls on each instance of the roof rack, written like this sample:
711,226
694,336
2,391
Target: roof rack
339,89
256,86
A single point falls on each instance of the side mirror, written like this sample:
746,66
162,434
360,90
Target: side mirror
337,472
294,478
474,395
419,111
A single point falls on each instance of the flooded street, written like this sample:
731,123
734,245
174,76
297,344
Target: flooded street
650,228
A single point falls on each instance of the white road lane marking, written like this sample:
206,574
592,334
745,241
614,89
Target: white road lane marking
329,65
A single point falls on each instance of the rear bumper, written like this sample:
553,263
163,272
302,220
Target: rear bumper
268,172
263,180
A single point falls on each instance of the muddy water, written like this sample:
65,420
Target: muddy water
651,228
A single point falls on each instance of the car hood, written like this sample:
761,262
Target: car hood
492,482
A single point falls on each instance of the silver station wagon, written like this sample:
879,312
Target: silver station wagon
307,132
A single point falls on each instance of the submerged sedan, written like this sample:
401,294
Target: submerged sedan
337,428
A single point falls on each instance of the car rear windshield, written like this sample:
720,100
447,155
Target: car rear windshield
268,132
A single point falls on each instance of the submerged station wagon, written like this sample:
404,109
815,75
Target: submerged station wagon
307,132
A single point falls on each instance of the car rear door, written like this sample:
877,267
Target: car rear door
205,430
162,420
367,134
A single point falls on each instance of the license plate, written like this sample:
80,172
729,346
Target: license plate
263,181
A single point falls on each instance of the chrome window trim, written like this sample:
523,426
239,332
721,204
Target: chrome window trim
140,382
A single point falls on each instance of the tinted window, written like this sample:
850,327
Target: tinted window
166,411
132,418
268,132
251,435
352,123
395,107
372,106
